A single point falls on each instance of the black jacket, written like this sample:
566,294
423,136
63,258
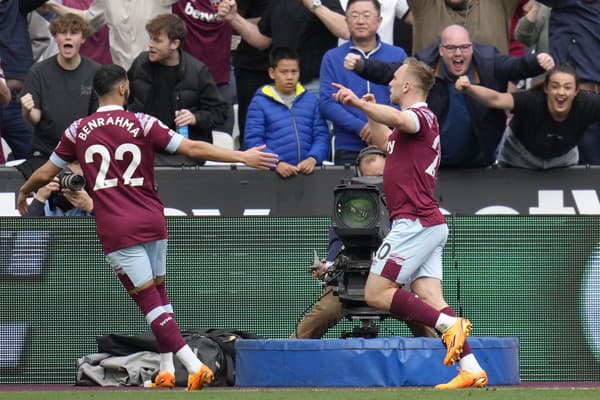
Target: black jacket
195,86
491,69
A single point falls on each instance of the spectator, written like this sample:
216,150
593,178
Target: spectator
350,126
17,56
391,10
209,40
488,21
173,86
327,311
532,31
115,149
285,117
575,38
546,125
251,65
58,90
411,253
126,20
469,131
53,200
97,45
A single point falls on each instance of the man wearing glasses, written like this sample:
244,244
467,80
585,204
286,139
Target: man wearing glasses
469,131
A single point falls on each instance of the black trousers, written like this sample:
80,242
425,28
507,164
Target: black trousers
247,81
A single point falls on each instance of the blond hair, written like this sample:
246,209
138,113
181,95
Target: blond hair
423,73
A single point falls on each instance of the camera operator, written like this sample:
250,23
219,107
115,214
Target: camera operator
327,311
56,200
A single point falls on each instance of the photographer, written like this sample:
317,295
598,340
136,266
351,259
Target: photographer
327,310
56,200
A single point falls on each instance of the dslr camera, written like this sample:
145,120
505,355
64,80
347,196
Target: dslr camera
70,180
67,179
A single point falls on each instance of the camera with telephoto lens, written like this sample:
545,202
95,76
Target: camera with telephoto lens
360,221
70,180
67,180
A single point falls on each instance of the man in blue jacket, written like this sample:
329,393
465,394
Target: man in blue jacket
350,126
470,132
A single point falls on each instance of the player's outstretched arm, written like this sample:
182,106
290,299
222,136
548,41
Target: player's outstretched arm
39,178
381,113
253,157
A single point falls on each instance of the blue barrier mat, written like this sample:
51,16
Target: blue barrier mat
394,361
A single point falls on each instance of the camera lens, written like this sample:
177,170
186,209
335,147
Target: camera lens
357,209
73,182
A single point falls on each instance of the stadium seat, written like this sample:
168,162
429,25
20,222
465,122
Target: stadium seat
6,150
221,139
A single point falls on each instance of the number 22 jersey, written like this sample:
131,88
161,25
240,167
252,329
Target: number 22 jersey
115,149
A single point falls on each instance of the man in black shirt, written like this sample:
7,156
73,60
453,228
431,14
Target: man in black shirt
173,86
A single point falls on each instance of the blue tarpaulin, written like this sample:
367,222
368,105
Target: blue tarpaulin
394,361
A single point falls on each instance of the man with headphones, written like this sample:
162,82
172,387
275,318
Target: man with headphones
327,310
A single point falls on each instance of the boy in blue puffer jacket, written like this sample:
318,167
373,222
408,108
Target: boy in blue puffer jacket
286,117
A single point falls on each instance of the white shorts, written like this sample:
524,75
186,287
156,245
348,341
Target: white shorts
411,251
140,263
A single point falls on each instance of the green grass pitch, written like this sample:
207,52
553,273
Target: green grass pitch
311,394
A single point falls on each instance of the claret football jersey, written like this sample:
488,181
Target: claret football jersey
116,151
411,169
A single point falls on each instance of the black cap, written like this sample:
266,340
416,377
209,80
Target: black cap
368,151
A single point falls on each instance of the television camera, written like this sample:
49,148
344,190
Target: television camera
360,221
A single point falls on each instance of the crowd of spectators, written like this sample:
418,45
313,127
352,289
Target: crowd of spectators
501,45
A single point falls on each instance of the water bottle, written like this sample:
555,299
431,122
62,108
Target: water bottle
182,130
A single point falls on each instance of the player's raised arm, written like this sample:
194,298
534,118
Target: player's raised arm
379,113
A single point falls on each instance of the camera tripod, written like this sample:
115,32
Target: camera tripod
367,330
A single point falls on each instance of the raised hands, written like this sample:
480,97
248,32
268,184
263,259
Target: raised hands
462,83
226,9
545,61
27,102
353,62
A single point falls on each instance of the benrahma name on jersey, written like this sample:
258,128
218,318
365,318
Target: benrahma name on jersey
119,121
